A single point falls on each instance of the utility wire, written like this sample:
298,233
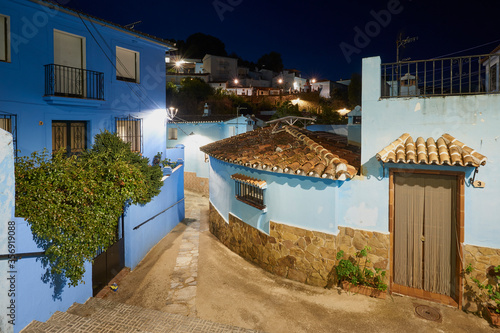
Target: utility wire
119,61
471,48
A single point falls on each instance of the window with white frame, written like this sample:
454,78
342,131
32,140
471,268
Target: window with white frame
4,38
249,190
172,133
127,65
130,130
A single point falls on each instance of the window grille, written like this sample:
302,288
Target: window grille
69,135
493,77
250,190
130,130
8,122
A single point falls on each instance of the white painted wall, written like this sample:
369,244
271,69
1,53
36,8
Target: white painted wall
7,192
474,120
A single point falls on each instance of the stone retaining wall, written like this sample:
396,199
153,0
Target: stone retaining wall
196,184
309,256
297,254
481,259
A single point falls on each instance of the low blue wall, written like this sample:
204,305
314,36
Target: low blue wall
37,299
138,242
173,154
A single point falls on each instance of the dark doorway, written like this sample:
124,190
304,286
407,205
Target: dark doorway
107,264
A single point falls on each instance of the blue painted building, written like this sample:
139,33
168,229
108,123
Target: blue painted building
423,194
195,131
66,77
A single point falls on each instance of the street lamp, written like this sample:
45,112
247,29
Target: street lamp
178,65
171,113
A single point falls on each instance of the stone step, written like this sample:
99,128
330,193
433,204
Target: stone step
68,322
36,327
129,315
98,315
147,319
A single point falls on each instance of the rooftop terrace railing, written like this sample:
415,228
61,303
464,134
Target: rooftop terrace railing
441,77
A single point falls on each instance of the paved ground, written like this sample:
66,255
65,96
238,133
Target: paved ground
190,273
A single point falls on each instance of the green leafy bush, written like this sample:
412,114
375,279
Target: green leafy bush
487,293
73,204
112,148
351,270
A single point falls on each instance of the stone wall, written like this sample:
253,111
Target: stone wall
481,259
294,253
196,184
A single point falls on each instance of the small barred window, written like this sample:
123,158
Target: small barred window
250,190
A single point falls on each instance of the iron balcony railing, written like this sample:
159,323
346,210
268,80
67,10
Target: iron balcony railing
73,82
441,77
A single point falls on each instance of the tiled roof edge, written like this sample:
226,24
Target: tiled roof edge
249,180
327,166
480,159
342,170
446,150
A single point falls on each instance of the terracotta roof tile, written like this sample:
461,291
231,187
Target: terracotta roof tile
291,150
249,180
445,151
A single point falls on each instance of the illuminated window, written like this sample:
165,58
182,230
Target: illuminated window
127,65
4,38
249,190
172,133
130,130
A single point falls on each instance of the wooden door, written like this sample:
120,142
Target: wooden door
425,236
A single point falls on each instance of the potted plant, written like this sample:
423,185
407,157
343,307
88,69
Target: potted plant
488,294
353,275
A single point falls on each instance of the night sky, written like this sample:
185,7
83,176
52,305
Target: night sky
318,37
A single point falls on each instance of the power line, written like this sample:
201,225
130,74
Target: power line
112,63
471,48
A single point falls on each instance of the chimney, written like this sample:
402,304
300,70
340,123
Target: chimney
206,110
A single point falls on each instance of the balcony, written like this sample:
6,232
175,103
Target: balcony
470,75
63,83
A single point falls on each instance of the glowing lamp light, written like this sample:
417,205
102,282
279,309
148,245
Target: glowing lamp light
171,113
343,111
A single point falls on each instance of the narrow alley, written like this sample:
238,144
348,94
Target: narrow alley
191,273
